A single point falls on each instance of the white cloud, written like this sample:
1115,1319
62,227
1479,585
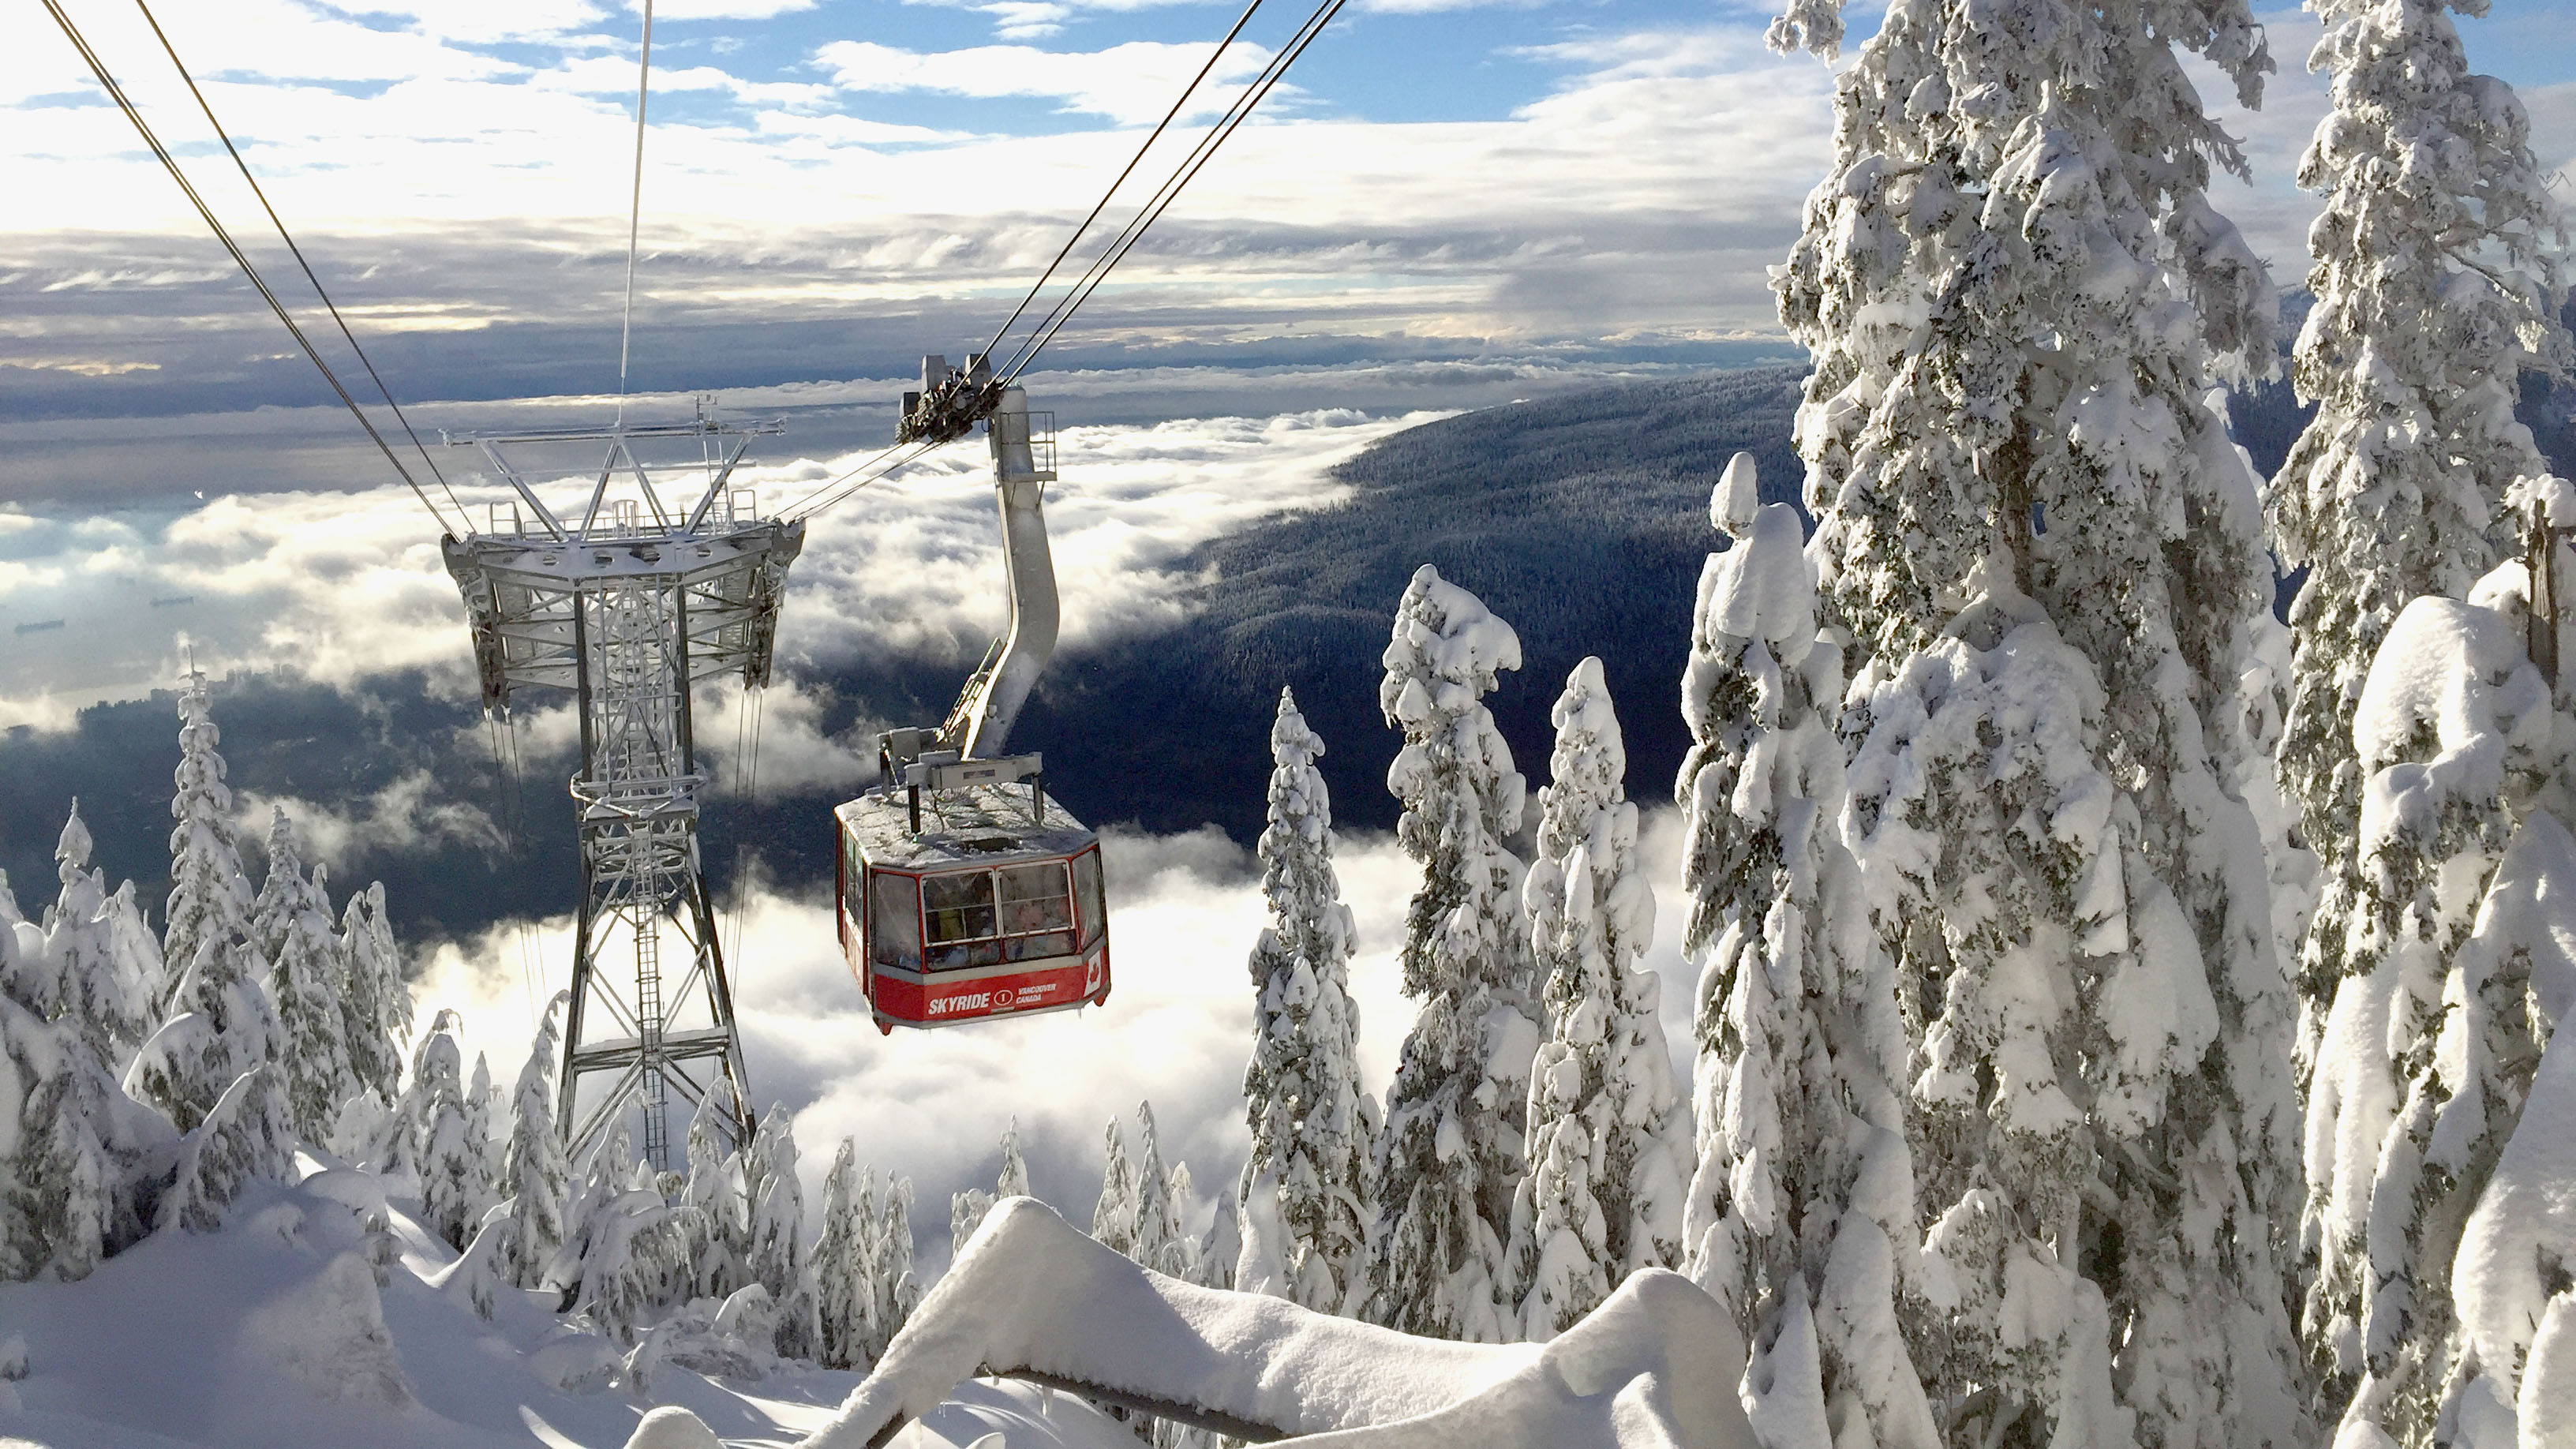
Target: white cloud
341,586
412,813
1131,83
931,1104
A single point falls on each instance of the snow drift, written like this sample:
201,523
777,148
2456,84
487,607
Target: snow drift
1655,1365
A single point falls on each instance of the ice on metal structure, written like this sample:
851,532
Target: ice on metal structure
659,575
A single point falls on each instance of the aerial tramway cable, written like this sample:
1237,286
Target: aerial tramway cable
634,208
169,163
891,459
1161,201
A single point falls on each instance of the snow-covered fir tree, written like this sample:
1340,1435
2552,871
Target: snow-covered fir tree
1800,1214
104,966
967,1210
618,1261
1450,1157
842,1295
308,979
210,897
286,892
535,1176
775,1251
2436,275
894,1291
68,1136
219,1024
2430,1102
1307,1197
715,1198
1158,1233
248,1137
437,1121
1113,1214
1610,1145
2048,557
377,1004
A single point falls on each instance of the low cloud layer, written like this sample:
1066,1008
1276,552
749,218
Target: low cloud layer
932,1104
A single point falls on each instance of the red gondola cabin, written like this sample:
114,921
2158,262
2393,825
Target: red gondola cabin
978,913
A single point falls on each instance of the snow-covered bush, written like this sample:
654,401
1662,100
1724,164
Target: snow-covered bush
1450,1157
1307,1199
1609,1144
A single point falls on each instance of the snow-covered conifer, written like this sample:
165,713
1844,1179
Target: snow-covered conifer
715,1199
285,892
67,1134
612,1267
308,979
220,1023
248,1137
895,1292
1450,1157
1113,1217
377,1007
2436,280
775,1255
535,1177
1609,1142
1307,1189
210,897
843,1296
2429,1068
105,969
1800,1213
2435,273
967,1209
2048,558
454,1192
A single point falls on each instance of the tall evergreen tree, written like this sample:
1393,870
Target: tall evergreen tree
2429,1077
67,1135
2048,556
219,1024
308,978
285,893
1451,1155
376,1008
2436,277
103,967
1800,1215
1113,1216
894,1291
1307,1195
1609,1141
776,1256
535,1176
967,1210
209,894
436,1119
843,1295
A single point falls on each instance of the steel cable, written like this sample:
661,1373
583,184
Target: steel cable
206,213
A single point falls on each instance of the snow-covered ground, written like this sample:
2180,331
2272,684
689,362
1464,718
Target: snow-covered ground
295,1326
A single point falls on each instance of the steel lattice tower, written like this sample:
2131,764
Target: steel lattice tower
628,603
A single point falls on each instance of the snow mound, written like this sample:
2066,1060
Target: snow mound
1655,1365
